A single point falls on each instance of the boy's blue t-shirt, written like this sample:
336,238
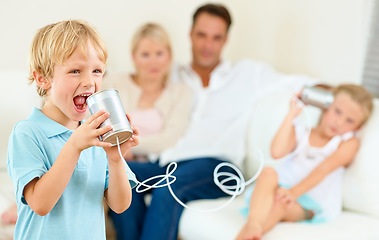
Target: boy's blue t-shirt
33,146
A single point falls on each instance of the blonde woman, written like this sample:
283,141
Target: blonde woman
159,108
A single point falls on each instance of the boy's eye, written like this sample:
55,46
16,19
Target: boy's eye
74,71
97,71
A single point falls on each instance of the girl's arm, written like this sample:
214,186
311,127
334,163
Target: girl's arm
343,156
284,141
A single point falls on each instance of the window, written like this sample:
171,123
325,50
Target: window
370,78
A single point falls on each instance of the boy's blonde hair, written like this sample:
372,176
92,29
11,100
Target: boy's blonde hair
359,95
54,43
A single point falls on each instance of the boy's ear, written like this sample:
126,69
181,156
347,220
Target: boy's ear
41,81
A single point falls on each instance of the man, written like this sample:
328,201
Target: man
224,96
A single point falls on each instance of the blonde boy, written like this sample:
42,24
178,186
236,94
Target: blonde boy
60,170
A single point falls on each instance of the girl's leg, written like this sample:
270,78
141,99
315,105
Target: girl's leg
264,211
261,204
280,212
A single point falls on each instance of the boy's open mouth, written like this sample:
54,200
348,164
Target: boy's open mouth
80,101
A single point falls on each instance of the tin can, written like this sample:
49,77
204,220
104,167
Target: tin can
317,96
109,100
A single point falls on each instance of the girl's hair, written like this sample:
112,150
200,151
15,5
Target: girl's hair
151,31
54,43
359,95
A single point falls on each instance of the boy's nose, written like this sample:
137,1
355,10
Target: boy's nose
88,81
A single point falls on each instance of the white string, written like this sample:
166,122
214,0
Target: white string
238,188
227,177
233,190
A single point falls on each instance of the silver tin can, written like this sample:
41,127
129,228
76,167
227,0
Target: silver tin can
317,96
109,100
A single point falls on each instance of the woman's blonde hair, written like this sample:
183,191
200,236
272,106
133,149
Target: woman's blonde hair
359,95
54,43
151,31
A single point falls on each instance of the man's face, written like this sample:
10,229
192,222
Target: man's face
208,36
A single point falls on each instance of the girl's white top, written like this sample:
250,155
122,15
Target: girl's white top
328,193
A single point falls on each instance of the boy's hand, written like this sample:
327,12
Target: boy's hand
112,152
87,134
129,156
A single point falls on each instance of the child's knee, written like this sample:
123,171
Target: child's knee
268,174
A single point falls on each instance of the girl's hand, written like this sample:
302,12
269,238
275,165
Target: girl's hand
285,196
296,106
112,152
87,134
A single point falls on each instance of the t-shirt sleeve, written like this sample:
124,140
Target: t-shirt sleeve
26,159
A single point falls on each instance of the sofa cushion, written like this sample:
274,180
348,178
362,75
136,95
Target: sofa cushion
361,190
7,198
226,223
17,100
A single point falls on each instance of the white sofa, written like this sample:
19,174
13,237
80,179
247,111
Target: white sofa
360,218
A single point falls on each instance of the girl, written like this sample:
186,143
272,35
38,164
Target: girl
308,185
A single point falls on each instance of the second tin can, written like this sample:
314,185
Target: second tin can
109,100
317,96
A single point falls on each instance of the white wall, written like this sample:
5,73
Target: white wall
321,38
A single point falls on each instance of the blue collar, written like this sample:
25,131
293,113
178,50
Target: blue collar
49,127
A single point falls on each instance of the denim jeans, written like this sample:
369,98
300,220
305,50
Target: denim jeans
160,219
